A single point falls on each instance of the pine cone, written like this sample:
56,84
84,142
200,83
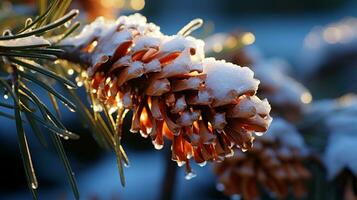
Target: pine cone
274,163
204,106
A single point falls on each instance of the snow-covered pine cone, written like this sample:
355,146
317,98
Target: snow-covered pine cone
274,163
204,106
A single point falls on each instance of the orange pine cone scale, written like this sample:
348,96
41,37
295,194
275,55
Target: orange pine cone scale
204,106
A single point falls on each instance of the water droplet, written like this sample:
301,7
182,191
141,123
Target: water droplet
112,110
107,80
202,164
148,129
133,130
97,108
120,103
259,133
180,163
66,137
190,175
189,156
230,154
34,186
143,134
21,68
220,187
69,107
6,96
157,146
67,24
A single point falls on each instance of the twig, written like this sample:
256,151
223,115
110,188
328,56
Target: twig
74,55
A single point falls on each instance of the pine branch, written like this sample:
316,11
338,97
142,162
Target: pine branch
25,55
134,73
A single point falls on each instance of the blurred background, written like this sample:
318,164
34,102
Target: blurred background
314,41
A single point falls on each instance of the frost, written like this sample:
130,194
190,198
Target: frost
27,41
225,79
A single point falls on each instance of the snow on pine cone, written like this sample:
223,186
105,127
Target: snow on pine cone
204,106
274,163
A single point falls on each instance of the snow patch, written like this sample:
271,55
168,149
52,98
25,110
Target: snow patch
224,78
26,41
